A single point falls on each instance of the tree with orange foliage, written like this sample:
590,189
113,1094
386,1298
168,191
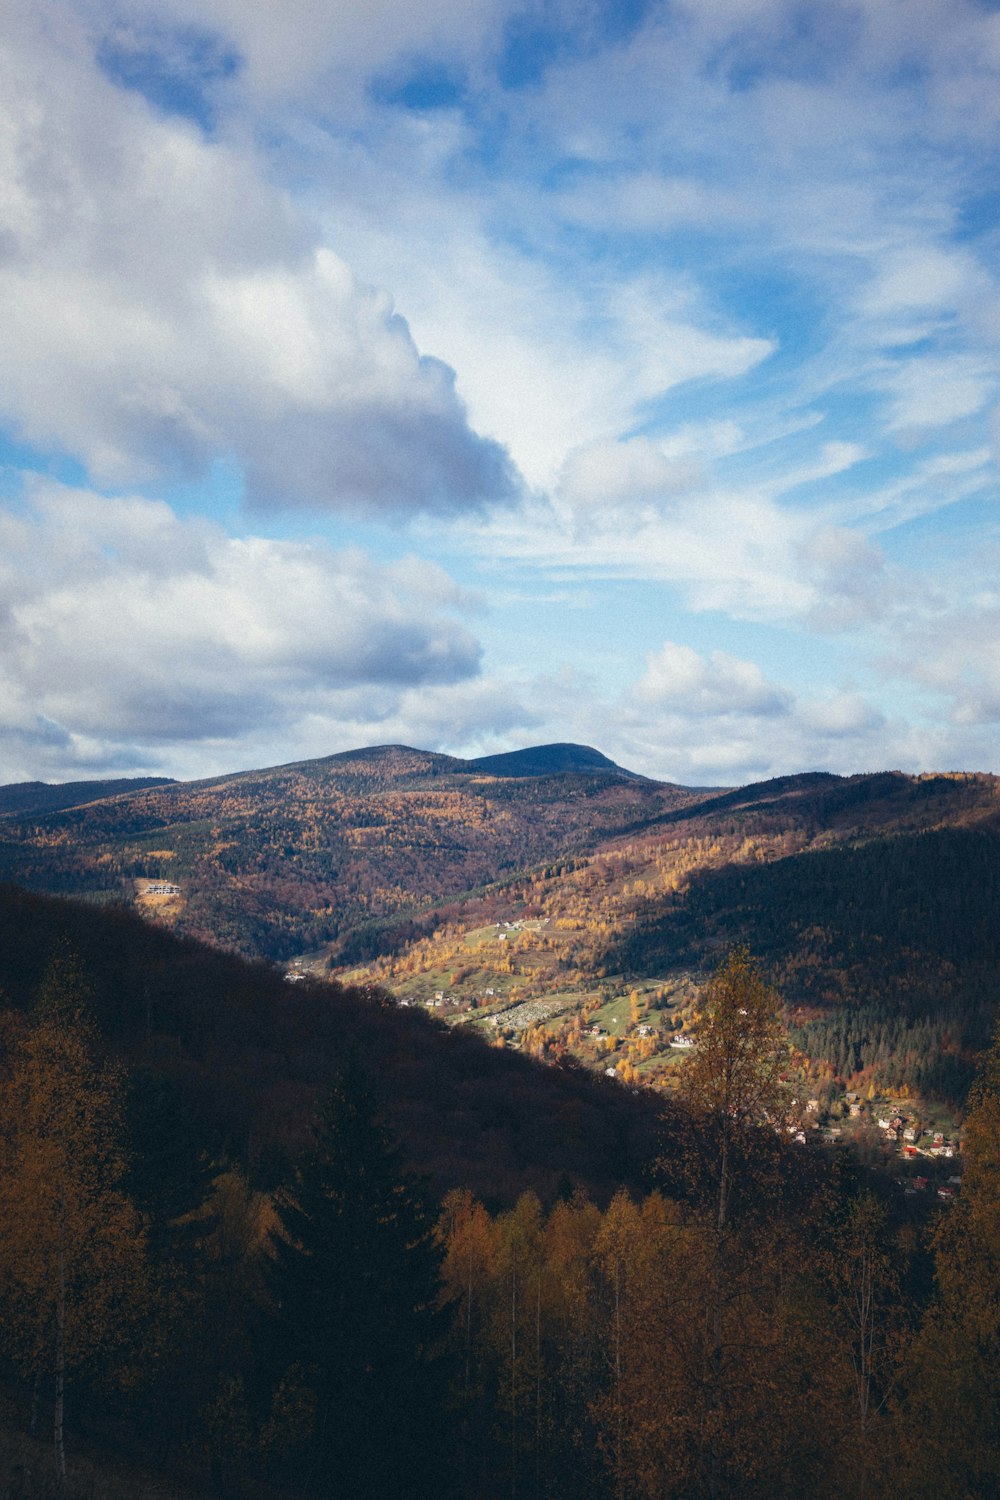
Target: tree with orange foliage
732,1086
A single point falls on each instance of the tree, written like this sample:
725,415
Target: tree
353,1282
72,1246
953,1400
867,1322
732,1083
732,1086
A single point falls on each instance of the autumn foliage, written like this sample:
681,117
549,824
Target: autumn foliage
735,1316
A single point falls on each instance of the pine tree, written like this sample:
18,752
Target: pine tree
354,1281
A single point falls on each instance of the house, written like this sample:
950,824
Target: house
682,1043
947,1192
812,1106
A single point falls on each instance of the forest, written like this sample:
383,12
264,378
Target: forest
274,862
268,1241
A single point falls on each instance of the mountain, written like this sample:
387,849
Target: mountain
275,861
548,760
559,903
23,797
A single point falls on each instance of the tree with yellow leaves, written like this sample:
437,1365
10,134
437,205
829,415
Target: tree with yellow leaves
733,1090
732,1083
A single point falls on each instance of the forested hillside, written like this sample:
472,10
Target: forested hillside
219,1274
241,1055
273,862
558,904
873,901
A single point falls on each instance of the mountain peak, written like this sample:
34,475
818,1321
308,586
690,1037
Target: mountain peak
548,760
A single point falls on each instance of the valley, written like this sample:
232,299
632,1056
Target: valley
440,1040
556,904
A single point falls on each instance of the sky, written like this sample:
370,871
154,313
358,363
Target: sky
485,373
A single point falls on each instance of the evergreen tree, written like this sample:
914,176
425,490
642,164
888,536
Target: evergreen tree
354,1282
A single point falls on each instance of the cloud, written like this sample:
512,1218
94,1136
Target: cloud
710,718
292,51
848,575
122,626
679,679
933,392
624,475
164,305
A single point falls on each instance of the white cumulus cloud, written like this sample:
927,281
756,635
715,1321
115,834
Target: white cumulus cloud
125,628
164,305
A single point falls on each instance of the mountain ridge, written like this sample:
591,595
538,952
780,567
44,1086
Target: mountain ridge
22,797
517,890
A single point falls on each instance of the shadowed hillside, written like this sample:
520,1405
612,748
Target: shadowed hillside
247,1053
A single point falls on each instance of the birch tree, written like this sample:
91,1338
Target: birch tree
732,1086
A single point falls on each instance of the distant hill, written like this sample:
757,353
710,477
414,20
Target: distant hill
21,797
551,875
873,900
275,861
548,760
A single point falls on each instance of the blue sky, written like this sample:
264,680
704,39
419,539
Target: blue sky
489,373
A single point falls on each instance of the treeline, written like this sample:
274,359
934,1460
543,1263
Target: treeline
753,1324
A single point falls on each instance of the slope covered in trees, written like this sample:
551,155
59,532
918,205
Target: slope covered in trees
871,898
22,797
873,901
888,951
272,862
755,1322
243,1056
